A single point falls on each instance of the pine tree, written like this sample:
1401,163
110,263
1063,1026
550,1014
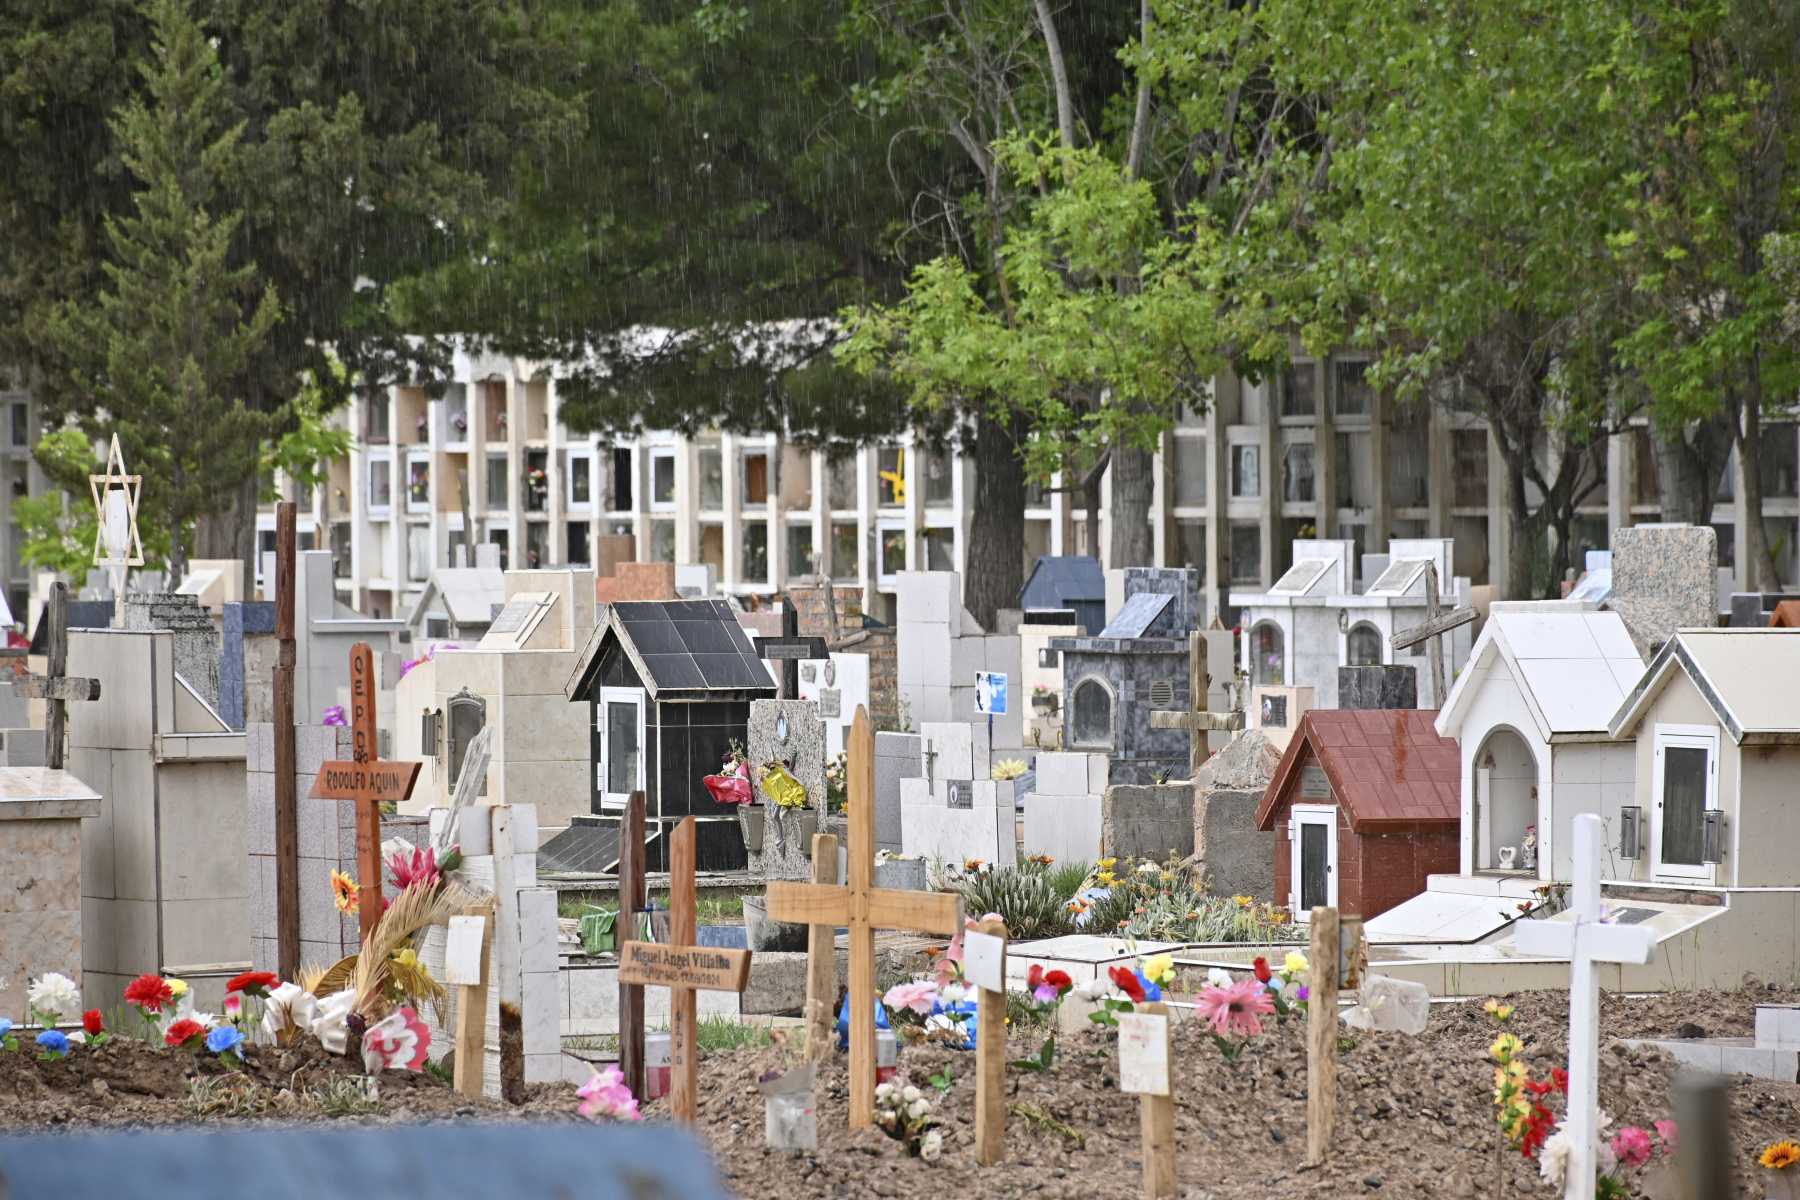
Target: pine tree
165,347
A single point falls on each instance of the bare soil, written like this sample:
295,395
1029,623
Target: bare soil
1415,1115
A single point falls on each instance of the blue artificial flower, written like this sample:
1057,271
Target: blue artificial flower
54,1040
1151,991
6,1026
224,1039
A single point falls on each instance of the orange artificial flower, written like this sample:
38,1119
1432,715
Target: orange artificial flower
345,893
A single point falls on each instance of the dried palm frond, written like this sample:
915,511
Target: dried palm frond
335,979
412,910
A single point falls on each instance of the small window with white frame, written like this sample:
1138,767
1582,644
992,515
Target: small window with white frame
581,481
662,479
381,485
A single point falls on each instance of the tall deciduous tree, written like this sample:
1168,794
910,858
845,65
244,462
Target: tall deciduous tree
164,349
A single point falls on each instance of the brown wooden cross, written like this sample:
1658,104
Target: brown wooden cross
53,685
1437,623
683,967
864,908
1198,722
369,782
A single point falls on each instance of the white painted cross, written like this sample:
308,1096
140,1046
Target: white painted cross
1584,941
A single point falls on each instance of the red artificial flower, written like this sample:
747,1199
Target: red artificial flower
1539,1087
91,1022
1537,1131
1128,982
1059,980
149,992
253,983
181,1031
1560,1078
1034,976
1261,967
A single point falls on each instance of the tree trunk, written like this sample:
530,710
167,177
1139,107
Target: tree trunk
1761,575
1525,543
1688,463
1091,499
230,532
1133,486
996,561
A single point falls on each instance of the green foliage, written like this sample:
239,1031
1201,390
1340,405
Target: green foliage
1162,902
1024,897
1066,878
343,1096
305,452
716,1034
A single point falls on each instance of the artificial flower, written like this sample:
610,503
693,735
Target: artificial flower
91,1022
420,868
253,983
1497,1010
1160,969
884,1091
148,993
1243,901
605,1095
1008,769
226,1039
1777,1156
1106,864
1237,1008
177,987
334,715
1260,967
1128,982
1303,993
1559,1079
54,1041
1632,1146
410,975
1105,878
1505,1046
1094,988
931,1147
1553,1158
1046,987
1042,860
916,996
182,1031
289,1011
52,995
910,1093
1148,868
6,1027
972,865
955,993
344,893
1666,1132
331,1020
1294,964
1218,977
397,1042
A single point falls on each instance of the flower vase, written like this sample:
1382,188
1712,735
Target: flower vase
750,824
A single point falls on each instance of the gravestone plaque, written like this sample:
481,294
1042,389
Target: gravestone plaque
961,794
831,703
1313,783
808,672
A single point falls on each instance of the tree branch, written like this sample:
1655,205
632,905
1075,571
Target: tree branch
1059,76
1140,122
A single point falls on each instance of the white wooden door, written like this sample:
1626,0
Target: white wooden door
1312,845
619,767
1685,787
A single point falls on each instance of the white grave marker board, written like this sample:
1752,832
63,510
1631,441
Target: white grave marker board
984,960
462,951
1143,1054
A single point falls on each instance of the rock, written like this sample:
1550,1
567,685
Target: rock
1372,1181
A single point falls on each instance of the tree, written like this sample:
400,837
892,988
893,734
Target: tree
165,348
1708,90
56,528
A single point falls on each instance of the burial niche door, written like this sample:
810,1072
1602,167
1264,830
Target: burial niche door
1686,785
1313,847
619,769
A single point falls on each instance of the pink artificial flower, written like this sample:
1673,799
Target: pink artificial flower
399,1041
1631,1145
333,716
1236,1007
420,867
919,995
1667,1130
605,1095
234,1006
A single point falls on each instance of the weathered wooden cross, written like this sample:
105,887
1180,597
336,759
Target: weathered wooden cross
864,908
1337,953
984,966
1584,940
1436,624
1144,1070
1198,722
631,903
369,782
54,686
683,967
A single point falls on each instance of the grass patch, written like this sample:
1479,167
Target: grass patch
720,910
343,1096
716,1034
227,1096
1022,1012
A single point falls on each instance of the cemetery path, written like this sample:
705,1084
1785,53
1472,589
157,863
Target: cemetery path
1416,1115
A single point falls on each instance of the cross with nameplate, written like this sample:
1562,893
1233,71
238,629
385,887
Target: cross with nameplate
864,908
1198,722
1585,940
682,967
53,686
367,781
1436,624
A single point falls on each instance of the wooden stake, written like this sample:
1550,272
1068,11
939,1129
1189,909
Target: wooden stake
864,908
1197,721
471,1012
54,686
990,1060
1321,1035
821,958
681,966
631,903
287,797
1156,1117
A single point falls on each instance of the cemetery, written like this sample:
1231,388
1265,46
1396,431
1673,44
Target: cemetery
1212,652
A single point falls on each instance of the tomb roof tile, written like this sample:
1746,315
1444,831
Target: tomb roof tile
1385,766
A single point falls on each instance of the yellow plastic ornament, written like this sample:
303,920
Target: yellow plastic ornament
783,788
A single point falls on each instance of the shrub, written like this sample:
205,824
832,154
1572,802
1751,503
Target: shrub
1162,902
1025,897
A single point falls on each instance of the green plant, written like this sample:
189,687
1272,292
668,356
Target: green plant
1023,1012
442,1070
344,1096
1066,878
943,1079
716,1034
1163,902
1025,898
231,1095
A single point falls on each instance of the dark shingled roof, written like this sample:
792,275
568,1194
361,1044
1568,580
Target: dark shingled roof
679,646
83,614
1386,766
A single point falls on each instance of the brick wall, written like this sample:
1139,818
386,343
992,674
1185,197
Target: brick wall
814,619
636,581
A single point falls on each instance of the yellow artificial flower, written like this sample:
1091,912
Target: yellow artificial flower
1505,1047
344,893
1160,969
1779,1156
177,987
1497,1010
1105,878
410,975
1008,769
1106,864
1243,901
1293,964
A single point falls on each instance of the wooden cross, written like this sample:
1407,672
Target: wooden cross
53,686
631,903
1144,1070
1437,623
1198,722
470,941
1336,962
984,966
369,782
864,908
683,967
1584,940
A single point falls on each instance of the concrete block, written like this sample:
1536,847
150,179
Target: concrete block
1778,1025
542,1017
926,702
1238,859
1067,828
928,596
948,750
932,831
537,930
1065,773
259,747
1151,821
968,656
923,655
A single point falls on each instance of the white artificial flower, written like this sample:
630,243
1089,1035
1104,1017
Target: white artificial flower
1148,868
932,1148
884,1092
1095,988
207,1020
1553,1158
953,993
910,1094
331,1025
1218,977
53,995
918,1108
397,845
288,1007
